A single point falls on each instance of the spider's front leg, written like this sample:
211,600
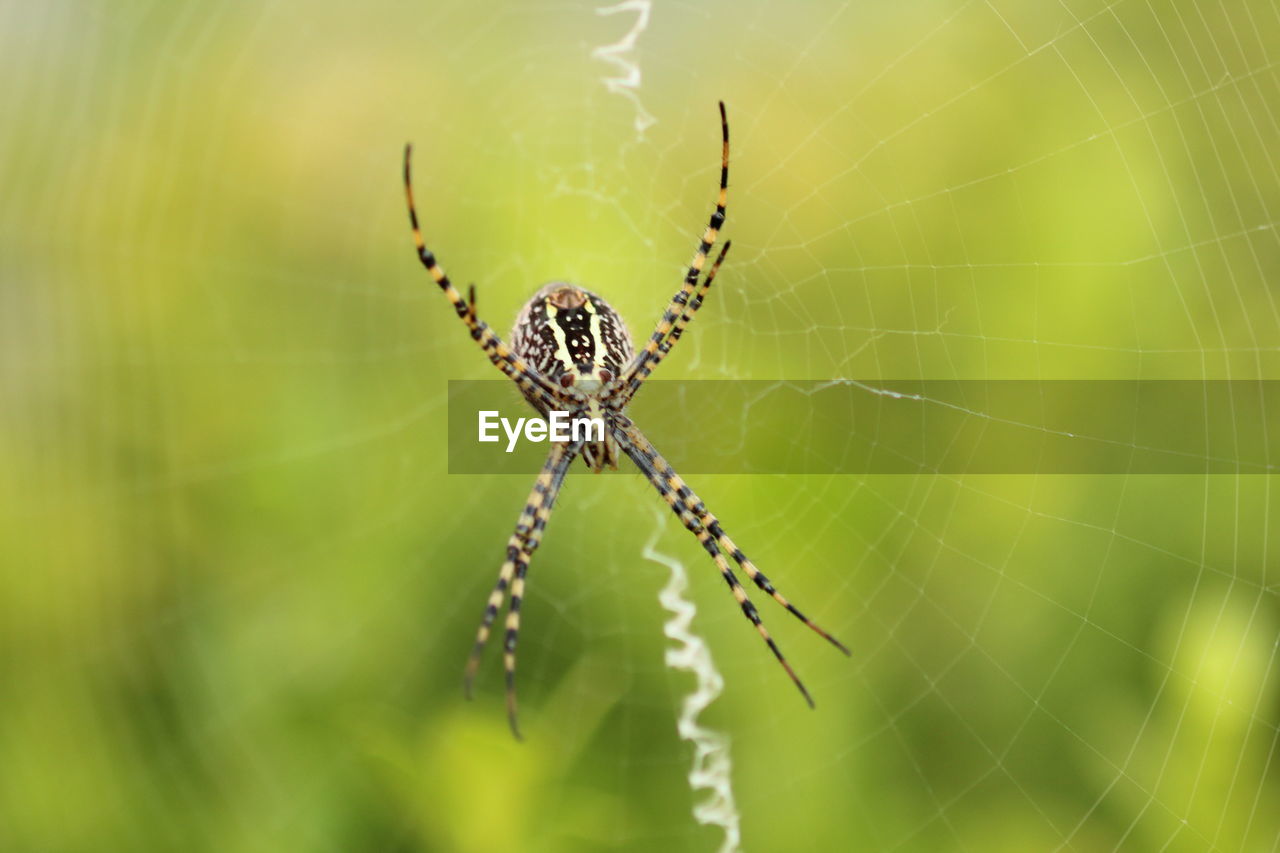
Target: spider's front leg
648,357
532,383
624,393
520,548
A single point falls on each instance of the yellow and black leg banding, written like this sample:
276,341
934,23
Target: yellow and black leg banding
640,368
694,505
534,385
520,547
681,499
682,322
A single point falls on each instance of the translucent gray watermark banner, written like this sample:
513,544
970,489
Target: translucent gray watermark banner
913,427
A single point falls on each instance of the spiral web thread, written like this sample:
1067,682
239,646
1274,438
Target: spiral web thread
627,83
711,766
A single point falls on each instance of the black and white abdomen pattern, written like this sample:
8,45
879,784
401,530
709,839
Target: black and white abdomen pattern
572,337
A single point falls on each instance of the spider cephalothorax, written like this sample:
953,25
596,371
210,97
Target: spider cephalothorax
571,352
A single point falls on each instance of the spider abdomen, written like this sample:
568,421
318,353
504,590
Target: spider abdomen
572,337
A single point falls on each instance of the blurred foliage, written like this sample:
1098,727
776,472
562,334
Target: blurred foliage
239,586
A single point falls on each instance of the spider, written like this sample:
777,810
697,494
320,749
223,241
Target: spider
571,352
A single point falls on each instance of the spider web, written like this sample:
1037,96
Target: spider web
239,586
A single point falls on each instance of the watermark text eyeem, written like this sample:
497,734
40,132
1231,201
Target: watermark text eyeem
559,427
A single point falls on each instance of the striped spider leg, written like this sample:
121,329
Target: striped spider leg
534,386
629,382
682,500
695,516
677,329
520,547
546,391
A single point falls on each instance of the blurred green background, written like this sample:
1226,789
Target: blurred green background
238,586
